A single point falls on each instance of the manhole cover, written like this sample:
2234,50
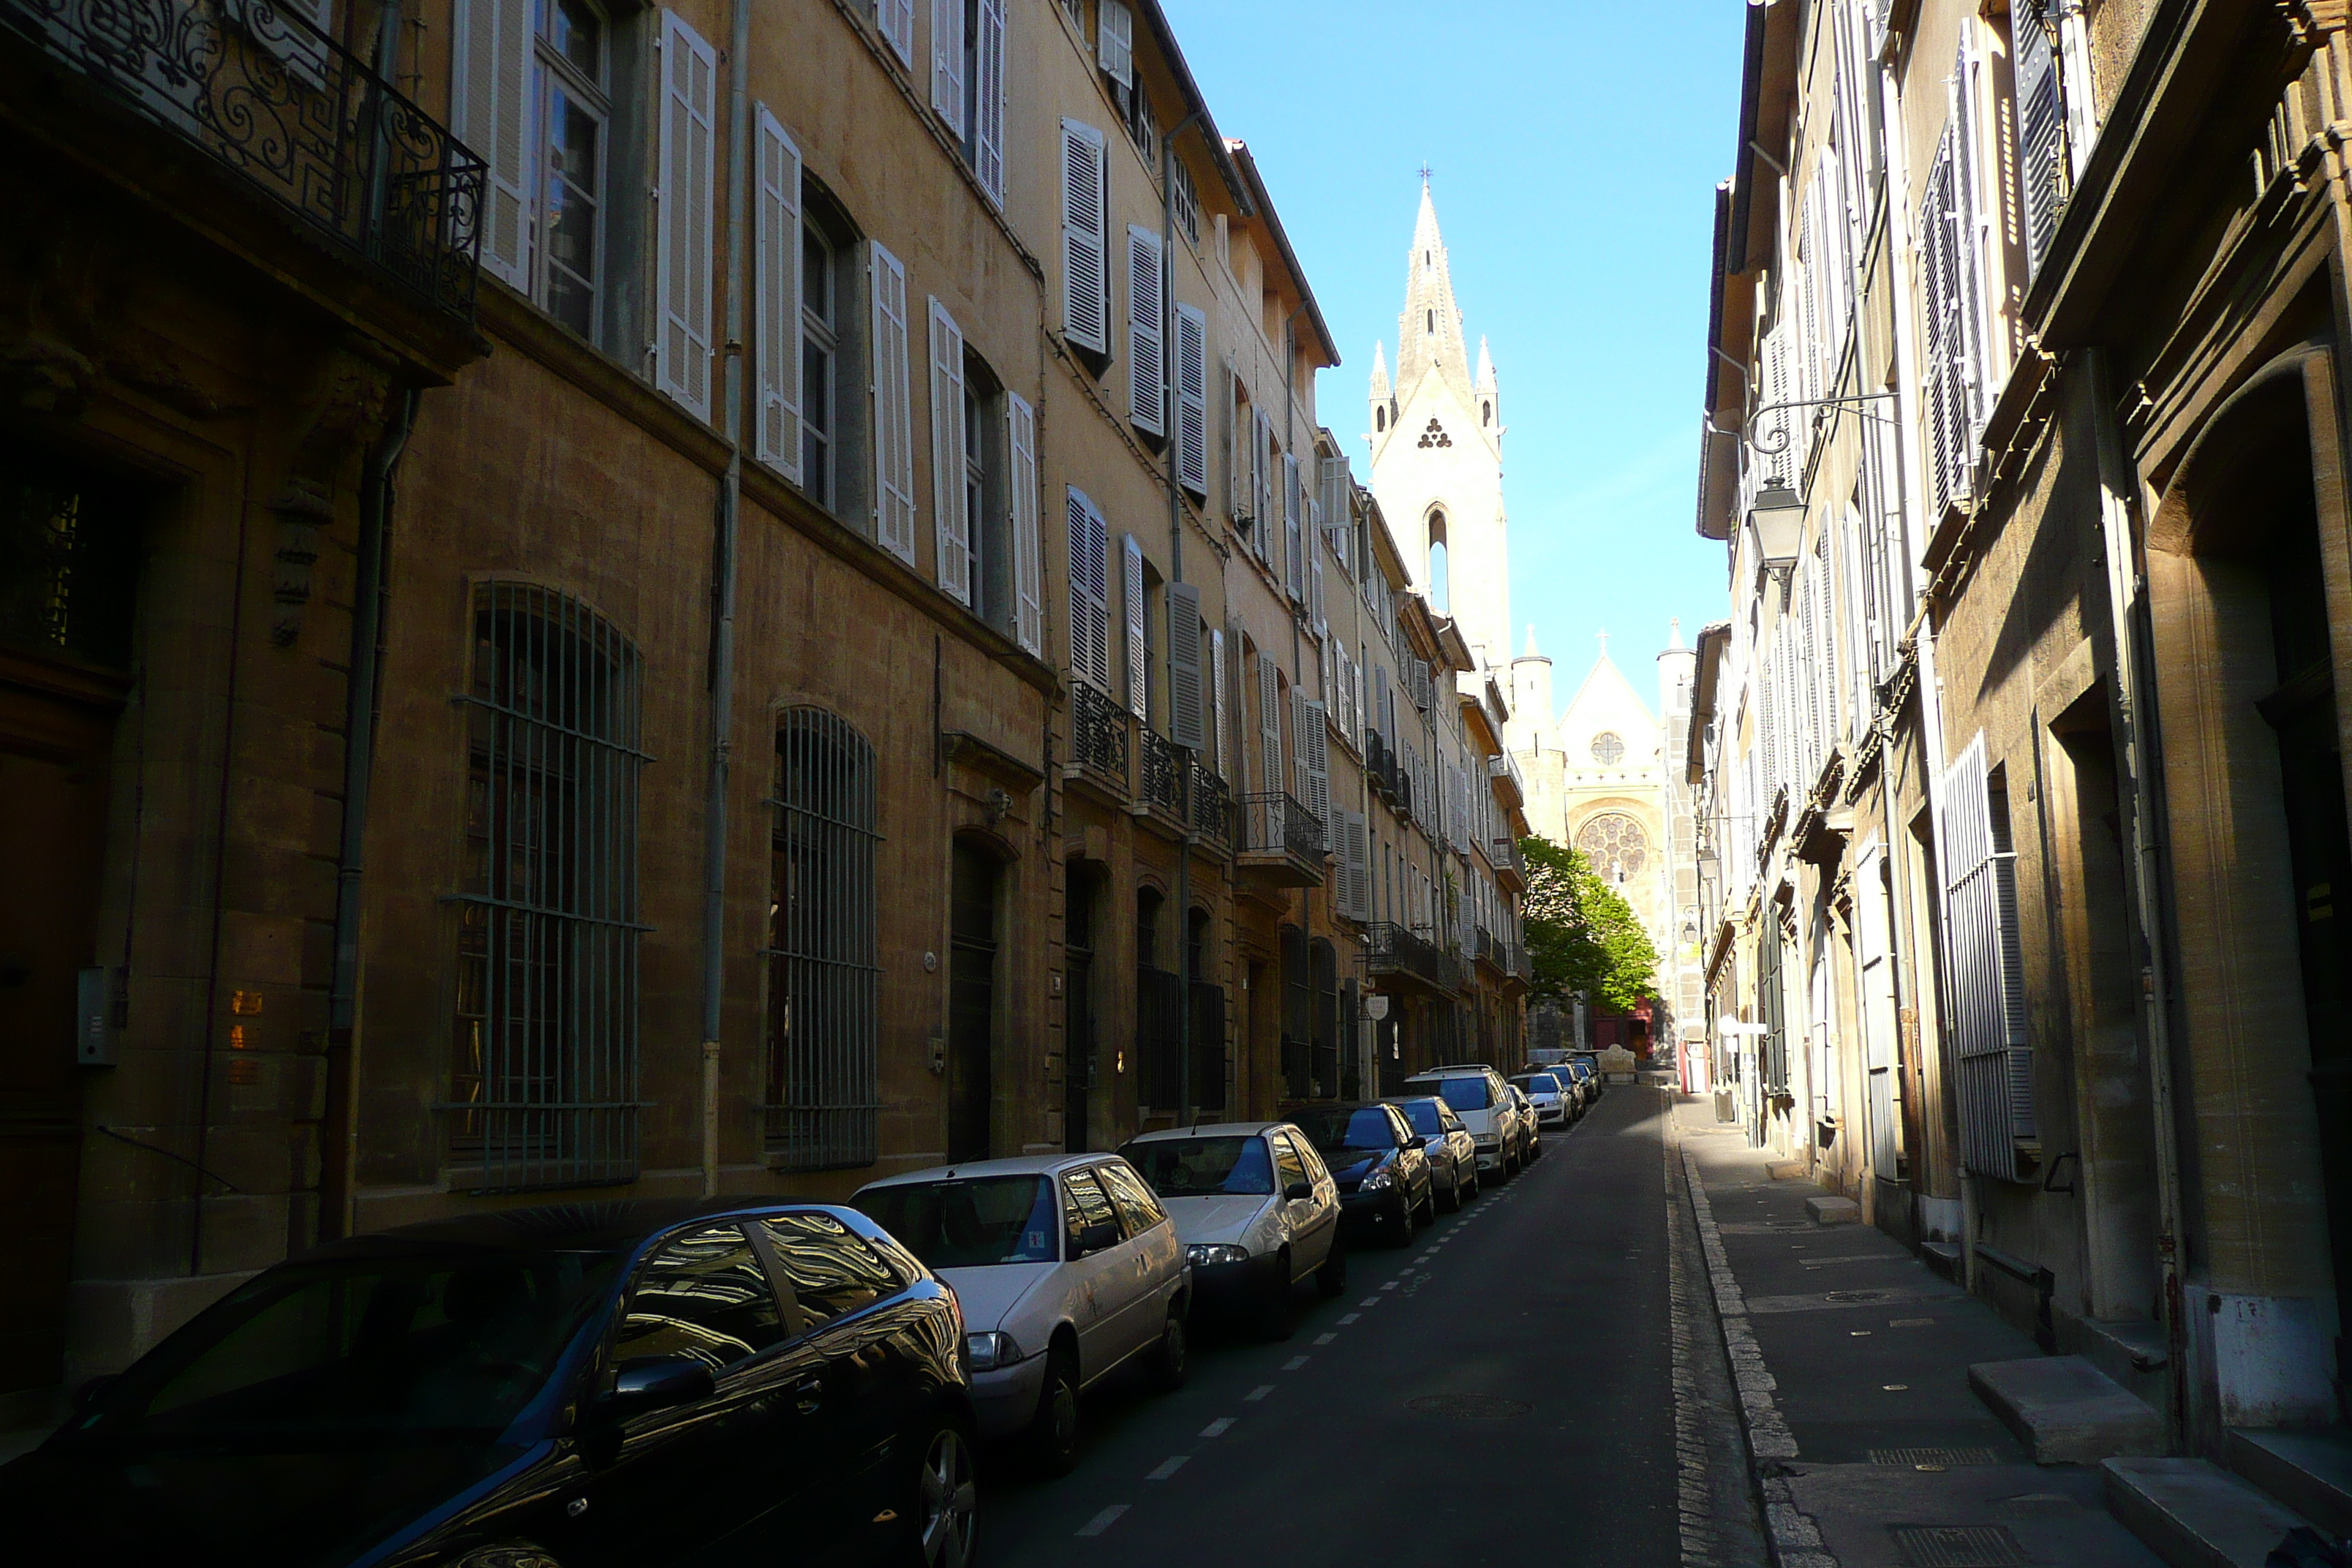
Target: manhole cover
1853,1295
1957,1545
1934,1456
1468,1406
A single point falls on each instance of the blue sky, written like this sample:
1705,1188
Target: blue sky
1575,148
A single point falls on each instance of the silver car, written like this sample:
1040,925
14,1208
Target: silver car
1257,1212
1067,1267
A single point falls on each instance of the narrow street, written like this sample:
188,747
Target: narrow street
1503,1385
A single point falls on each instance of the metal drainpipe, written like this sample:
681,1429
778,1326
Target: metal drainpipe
368,595
722,651
2146,850
1169,422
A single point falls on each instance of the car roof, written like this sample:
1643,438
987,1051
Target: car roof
615,1227
1012,1165
1209,1130
1473,1070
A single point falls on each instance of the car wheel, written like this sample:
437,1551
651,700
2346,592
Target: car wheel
1331,1275
1281,1319
1428,1203
1172,1363
1404,1220
1454,1193
1475,1185
1054,1434
941,1518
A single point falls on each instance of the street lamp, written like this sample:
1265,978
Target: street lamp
1777,516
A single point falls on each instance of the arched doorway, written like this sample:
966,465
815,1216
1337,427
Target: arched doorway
971,999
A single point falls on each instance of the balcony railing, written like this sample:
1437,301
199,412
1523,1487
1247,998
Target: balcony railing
1503,854
260,91
1098,728
1162,783
1486,949
1272,822
1521,966
1212,804
1390,949
1505,767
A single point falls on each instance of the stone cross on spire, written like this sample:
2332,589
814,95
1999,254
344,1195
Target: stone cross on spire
1604,644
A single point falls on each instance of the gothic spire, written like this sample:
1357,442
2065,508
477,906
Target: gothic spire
1380,373
1429,333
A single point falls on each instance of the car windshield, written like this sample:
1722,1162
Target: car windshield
969,1224
1367,1128
1539,1083
1464,1093
1423,1114
1199,1167
363,1349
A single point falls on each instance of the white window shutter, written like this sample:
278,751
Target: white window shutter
988,101
1261,485
1269,726
949,524
1192,400
1147,365
1138,672
1232,436
1184,718
1089,539
1318,771
1085,257
947,62
776,303
1991,1047
894,432
683,206
1028,589
1115,41
2042,164
1301,789
1219,740
491,110
896,20
1294,574
1315,587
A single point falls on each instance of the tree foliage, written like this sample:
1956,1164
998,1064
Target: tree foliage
1581,934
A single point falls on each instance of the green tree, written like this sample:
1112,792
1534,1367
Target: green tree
1581,935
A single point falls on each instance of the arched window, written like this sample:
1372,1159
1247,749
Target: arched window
1616,846
1486,412
1379,419
545,1063
823,1060
1441,595
1432,320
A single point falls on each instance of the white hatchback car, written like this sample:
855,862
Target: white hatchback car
1257,1210
1067,1267
1484,1101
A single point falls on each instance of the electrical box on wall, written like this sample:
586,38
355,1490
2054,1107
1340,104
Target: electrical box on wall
93,1019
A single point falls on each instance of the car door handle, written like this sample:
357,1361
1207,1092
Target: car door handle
808,1394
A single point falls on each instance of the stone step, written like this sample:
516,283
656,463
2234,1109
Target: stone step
2134,1353
2309,1470
2066,1411
2195,1514
1833,1211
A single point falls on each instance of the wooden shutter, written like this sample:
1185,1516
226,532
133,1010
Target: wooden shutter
1089,538
1875,956
1028,566
1269,727
1294,573
896,20
1315,585
1138,671
1261,485
950,521
1192,400
894,430
2042,164
1219,739
1085,257
1147,363
682,209
1359,853
1985,989
988,101
1230,437
947,61
1302,789
1318,771
1184,719
1115,41
1974,219
491,104
776,301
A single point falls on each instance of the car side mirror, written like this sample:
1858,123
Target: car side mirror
656,1382
1298,1190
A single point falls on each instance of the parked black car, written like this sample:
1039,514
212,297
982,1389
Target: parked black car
1376,1158
566,1387
1446,1140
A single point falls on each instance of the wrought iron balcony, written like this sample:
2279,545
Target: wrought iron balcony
1281,840
1162,783
1097,731
260,91
1503,854
1522,968
1390,949
1212,805
1486,950
1510,786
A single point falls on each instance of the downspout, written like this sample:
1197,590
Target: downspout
722,642
2124,609
369,594
1170,421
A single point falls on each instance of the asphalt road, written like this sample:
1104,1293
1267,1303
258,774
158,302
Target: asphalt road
1500,1392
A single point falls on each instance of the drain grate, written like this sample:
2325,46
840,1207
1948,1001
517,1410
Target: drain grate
1934,1456
1468,1406
1853,1295
1957,1546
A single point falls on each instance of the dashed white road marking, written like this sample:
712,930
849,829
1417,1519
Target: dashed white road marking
1369,1302
1168,1467
1325,1338
1393,1283
1294,1363
1103,1520
1219,1427
1351,1318
1260,1392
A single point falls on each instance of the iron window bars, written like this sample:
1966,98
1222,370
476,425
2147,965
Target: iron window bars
258,88
823,1084
544,1080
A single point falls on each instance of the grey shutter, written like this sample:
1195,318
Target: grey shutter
1147,362
1028,566
1085,253
1138,674
950,525
947,62
894,431
491,104
776,304
1986,999
2042,164
1219,738
988,101
1089,538
1184,718
1294,575
1192,400
682,209
1230,438
1115,41
1269,736
896,20
1319,772
1301,790
1261,478
1875,956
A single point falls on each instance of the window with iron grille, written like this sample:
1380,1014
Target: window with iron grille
544,1076
823,1074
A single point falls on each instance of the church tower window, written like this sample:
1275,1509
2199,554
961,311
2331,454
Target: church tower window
1486,414
1441,594
1379,419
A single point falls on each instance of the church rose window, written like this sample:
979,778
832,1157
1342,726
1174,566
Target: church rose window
1615,844
1435,435
1608,750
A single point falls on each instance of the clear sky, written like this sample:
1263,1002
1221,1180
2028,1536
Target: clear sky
1574,150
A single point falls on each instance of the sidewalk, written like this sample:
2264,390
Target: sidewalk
1851,1363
